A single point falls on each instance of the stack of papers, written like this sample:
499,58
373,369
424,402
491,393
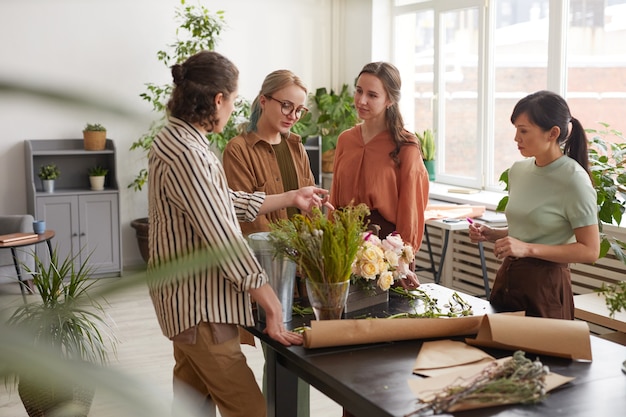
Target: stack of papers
493,218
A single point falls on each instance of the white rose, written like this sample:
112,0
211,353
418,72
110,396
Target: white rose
392,258
369,270
385,280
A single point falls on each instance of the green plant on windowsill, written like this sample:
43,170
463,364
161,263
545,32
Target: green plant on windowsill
49,172
427,144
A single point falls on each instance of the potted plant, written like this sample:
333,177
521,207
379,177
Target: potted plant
48,173
94,137
68,322
427,144
97,174
335,112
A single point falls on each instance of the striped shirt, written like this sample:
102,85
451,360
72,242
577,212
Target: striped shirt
191,208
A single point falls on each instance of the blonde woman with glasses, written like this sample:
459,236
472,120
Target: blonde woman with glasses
268,157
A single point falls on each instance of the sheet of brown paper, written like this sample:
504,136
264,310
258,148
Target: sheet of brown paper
438,357
326,333
426,388
562,338
443,211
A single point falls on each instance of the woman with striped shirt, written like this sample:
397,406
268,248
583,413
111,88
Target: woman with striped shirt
192,209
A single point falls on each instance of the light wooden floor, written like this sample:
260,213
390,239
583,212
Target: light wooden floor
144,353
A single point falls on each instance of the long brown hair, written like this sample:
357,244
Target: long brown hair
389,75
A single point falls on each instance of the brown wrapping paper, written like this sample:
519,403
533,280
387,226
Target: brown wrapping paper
561,338
327,333
426,388
440,356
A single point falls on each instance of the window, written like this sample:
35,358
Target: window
465,63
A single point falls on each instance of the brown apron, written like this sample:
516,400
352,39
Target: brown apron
540,288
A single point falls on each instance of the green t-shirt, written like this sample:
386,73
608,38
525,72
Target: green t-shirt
547,203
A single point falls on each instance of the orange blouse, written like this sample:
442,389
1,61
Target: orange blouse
365,173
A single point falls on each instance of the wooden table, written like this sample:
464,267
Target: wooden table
44,237
592,308
371,380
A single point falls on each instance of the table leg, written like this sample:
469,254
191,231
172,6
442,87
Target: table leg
481,251
18,269
444,249
432,268
282,388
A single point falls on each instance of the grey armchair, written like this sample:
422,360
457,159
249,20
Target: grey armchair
13,224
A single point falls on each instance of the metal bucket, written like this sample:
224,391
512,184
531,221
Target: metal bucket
280,270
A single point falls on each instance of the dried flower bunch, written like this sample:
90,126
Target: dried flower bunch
323,247
517,380
382,261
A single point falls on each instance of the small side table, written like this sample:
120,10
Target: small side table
461,224
44,237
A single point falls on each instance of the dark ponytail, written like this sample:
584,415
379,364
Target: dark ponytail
547,109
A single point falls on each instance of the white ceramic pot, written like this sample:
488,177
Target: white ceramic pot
97,183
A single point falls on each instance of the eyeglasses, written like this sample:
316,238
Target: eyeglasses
287,107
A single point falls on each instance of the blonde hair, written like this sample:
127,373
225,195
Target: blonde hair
276,80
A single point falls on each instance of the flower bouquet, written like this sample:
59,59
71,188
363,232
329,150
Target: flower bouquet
381,262
323,248
377,265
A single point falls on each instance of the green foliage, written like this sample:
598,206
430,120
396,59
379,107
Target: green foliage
331,114
607,161
427,143
198,30
615,296
239,116
322,247
49,172
94,127
608,170
97,171
65,319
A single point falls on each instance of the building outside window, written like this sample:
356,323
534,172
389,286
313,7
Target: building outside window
465,63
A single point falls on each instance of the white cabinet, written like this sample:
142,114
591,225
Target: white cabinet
86,223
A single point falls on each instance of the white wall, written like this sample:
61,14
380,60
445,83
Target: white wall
64,63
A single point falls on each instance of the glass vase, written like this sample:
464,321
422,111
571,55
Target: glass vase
327,299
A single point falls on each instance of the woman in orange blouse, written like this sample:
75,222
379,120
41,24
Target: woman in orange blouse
379,162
